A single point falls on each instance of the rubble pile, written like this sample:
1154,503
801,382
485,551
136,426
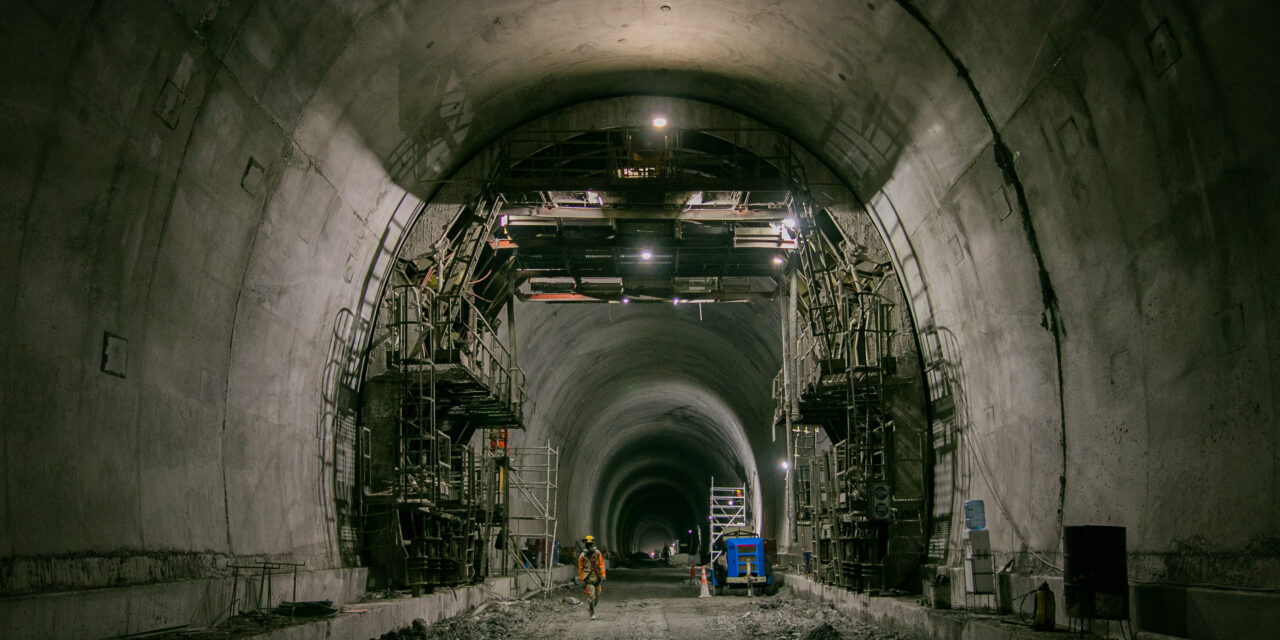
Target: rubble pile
494,619
786,617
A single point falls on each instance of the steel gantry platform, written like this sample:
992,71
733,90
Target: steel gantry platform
431,501
831,402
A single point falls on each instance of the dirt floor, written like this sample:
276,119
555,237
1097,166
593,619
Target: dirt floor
651,604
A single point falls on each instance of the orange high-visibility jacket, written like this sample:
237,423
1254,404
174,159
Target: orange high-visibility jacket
594,565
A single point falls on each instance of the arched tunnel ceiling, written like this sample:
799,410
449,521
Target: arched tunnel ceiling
250,161
628,391
851,82
869,90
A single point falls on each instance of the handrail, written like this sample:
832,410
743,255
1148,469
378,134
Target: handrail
535,152
491,362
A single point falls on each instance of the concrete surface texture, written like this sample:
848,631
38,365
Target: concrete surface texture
904,615
198,200
654,604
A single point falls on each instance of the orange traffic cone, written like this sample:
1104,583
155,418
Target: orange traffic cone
693,579
706,592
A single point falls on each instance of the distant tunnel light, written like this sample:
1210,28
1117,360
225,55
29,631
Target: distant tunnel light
785,465
646,255
777,260
659,122
675,301
626,300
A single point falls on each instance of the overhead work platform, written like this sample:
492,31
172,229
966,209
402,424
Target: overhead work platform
643,214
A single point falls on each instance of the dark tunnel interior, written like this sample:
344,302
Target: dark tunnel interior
313,285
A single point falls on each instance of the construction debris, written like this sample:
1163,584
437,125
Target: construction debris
497,619
785,617
311,609
781,617
824,631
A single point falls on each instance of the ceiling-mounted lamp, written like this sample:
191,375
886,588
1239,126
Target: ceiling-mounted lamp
659,122
646,255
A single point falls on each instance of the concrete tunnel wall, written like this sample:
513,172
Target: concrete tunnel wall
214,184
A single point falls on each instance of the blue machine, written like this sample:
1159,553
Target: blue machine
744,564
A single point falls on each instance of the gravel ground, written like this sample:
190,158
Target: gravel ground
785,617
650,604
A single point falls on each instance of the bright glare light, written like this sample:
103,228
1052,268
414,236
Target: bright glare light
689,531
626,300
676,301
502,221
646,255
777,260
789,222
659,122
785,465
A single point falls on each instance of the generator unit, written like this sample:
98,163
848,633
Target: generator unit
744,564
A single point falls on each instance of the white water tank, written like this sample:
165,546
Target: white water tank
979,572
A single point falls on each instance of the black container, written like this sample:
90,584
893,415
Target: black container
1095,572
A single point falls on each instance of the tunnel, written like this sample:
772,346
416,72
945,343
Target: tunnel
216,212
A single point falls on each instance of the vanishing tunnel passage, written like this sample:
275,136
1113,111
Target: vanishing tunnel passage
662,306
944,298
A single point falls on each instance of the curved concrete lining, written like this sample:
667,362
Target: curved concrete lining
213,185
606,379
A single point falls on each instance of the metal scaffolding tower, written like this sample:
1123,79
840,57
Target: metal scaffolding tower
728,513
533,476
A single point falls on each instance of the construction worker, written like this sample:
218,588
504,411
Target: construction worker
591,572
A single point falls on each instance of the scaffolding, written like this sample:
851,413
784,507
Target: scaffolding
676,159
429,502
533,475
804,451
839,359
729,513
